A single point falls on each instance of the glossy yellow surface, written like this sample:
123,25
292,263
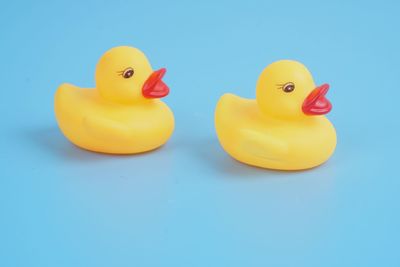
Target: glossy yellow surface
114,117
272,131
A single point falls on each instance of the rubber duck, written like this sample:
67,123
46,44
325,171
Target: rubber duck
284,128
123,114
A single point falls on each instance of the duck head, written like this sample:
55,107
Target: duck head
285,89
124,75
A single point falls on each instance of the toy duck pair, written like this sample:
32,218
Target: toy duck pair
283,128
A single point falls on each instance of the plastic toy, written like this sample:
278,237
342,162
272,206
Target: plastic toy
283,128
123,114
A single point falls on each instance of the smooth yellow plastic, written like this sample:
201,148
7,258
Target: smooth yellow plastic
114,117
272,131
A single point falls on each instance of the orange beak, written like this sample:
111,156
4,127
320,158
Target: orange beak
316,103
154,87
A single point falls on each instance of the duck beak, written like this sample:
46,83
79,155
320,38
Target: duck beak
154,87
316,103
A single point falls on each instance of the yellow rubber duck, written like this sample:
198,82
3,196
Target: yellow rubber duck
123,114
284,127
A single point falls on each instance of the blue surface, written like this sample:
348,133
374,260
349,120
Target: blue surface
62,206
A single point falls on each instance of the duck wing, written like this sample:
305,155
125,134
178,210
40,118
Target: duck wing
107,129
262,145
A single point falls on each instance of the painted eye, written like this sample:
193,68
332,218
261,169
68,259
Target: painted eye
288,87
127,73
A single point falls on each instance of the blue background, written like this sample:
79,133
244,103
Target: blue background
189,203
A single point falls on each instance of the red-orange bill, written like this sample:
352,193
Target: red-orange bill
316,103
154,87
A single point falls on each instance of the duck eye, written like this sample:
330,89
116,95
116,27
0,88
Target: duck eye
288,87
127,73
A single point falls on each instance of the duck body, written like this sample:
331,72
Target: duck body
252,138
284,127
123,113
94,124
